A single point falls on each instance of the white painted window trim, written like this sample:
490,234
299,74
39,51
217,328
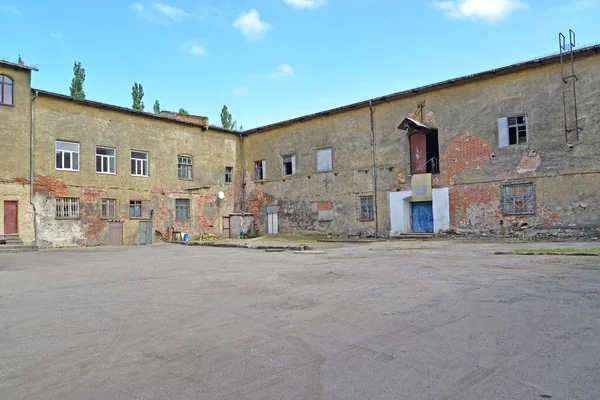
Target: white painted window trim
70,153
504,127
108,158
139,164
293,160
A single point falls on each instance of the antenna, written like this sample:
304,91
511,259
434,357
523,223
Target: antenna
569,99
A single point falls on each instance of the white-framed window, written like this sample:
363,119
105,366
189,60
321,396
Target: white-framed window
67,208
67,156
512,131
289,165
6,90
182,209
106,160
139,163
260,170
324,160
366,211
228,174
109,208
519,199
184,167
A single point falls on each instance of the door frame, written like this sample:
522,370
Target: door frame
16,203
412,220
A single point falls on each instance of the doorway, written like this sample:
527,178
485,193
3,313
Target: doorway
11,212
226,228
422,217
146,232
273,224
115,233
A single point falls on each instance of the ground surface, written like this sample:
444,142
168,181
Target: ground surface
362,321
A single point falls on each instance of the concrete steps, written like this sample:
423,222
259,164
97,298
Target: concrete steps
14,244
414,236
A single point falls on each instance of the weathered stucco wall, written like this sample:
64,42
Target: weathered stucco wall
473,165
14,152
212,151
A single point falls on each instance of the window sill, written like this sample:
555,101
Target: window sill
67,218
140,218
67,170
366,220
7,105
186,179
140,176
324,171
106,173
518,214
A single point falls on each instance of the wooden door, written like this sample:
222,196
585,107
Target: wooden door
115,233
226,230
418,153
11,222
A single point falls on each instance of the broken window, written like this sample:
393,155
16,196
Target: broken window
67,156
139,163
182,209
228,174
139,209
366,211
260,170
67,208
324,160
105,160
6,90
512,131
184,167
424,152
519,199
109,208
289,165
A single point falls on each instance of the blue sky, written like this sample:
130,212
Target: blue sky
271,60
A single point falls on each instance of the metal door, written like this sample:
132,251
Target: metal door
272,224
226,230
145,232
10,217
422,217
418,153
115,233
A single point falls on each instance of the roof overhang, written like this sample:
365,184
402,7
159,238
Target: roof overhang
410,124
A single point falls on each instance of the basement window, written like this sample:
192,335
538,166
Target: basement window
228,174
67,208
289,165
109,208
182,209
366,210
6,90
67,156
512,131
260,170
519,199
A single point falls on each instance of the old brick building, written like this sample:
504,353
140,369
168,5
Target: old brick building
492,152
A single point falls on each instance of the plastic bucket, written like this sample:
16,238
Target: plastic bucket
186,237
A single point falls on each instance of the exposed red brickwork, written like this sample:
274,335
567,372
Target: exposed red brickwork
194,119
205,223
21,181
93,225
49,185
254,198
529,163
325,205
92,194
465,152
475,206
428,116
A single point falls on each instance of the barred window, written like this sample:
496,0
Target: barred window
67,208
184,167
519,199
366,212
109,208
182,209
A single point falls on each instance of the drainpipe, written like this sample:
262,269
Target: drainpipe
31,166
374,177
242,163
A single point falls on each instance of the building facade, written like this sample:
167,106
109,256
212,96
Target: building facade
507,151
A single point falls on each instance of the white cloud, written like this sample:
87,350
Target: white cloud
306,3
240,91
197,50
250,24
488,10
284,71
193,47
10,9
176,14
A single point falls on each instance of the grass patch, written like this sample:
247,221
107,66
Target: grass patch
565,250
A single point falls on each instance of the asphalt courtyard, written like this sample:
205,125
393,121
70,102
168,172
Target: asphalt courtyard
390,320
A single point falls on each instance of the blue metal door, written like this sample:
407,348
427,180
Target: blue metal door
145,232
422,217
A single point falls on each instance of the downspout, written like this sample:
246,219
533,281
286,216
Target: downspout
243,174
374,177
31,167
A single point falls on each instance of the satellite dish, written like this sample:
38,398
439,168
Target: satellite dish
221,195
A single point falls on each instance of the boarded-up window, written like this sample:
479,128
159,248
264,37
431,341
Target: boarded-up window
289,165
519,199
325,210
512,131
324,160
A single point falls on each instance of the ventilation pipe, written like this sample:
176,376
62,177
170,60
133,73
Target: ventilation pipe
373,175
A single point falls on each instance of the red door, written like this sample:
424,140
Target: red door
418,153
10,217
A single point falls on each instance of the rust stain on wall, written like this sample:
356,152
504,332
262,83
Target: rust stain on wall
465,152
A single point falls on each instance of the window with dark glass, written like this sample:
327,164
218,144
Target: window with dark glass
6,90
228,174
366,212
67,156
106,160
139,163
184,167
182,209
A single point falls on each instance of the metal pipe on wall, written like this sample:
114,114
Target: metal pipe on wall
31,165
374,177
242,168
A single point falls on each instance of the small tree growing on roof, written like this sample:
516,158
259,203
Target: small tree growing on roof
183,111
137,94
20,61
156,107
227,119
76,88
